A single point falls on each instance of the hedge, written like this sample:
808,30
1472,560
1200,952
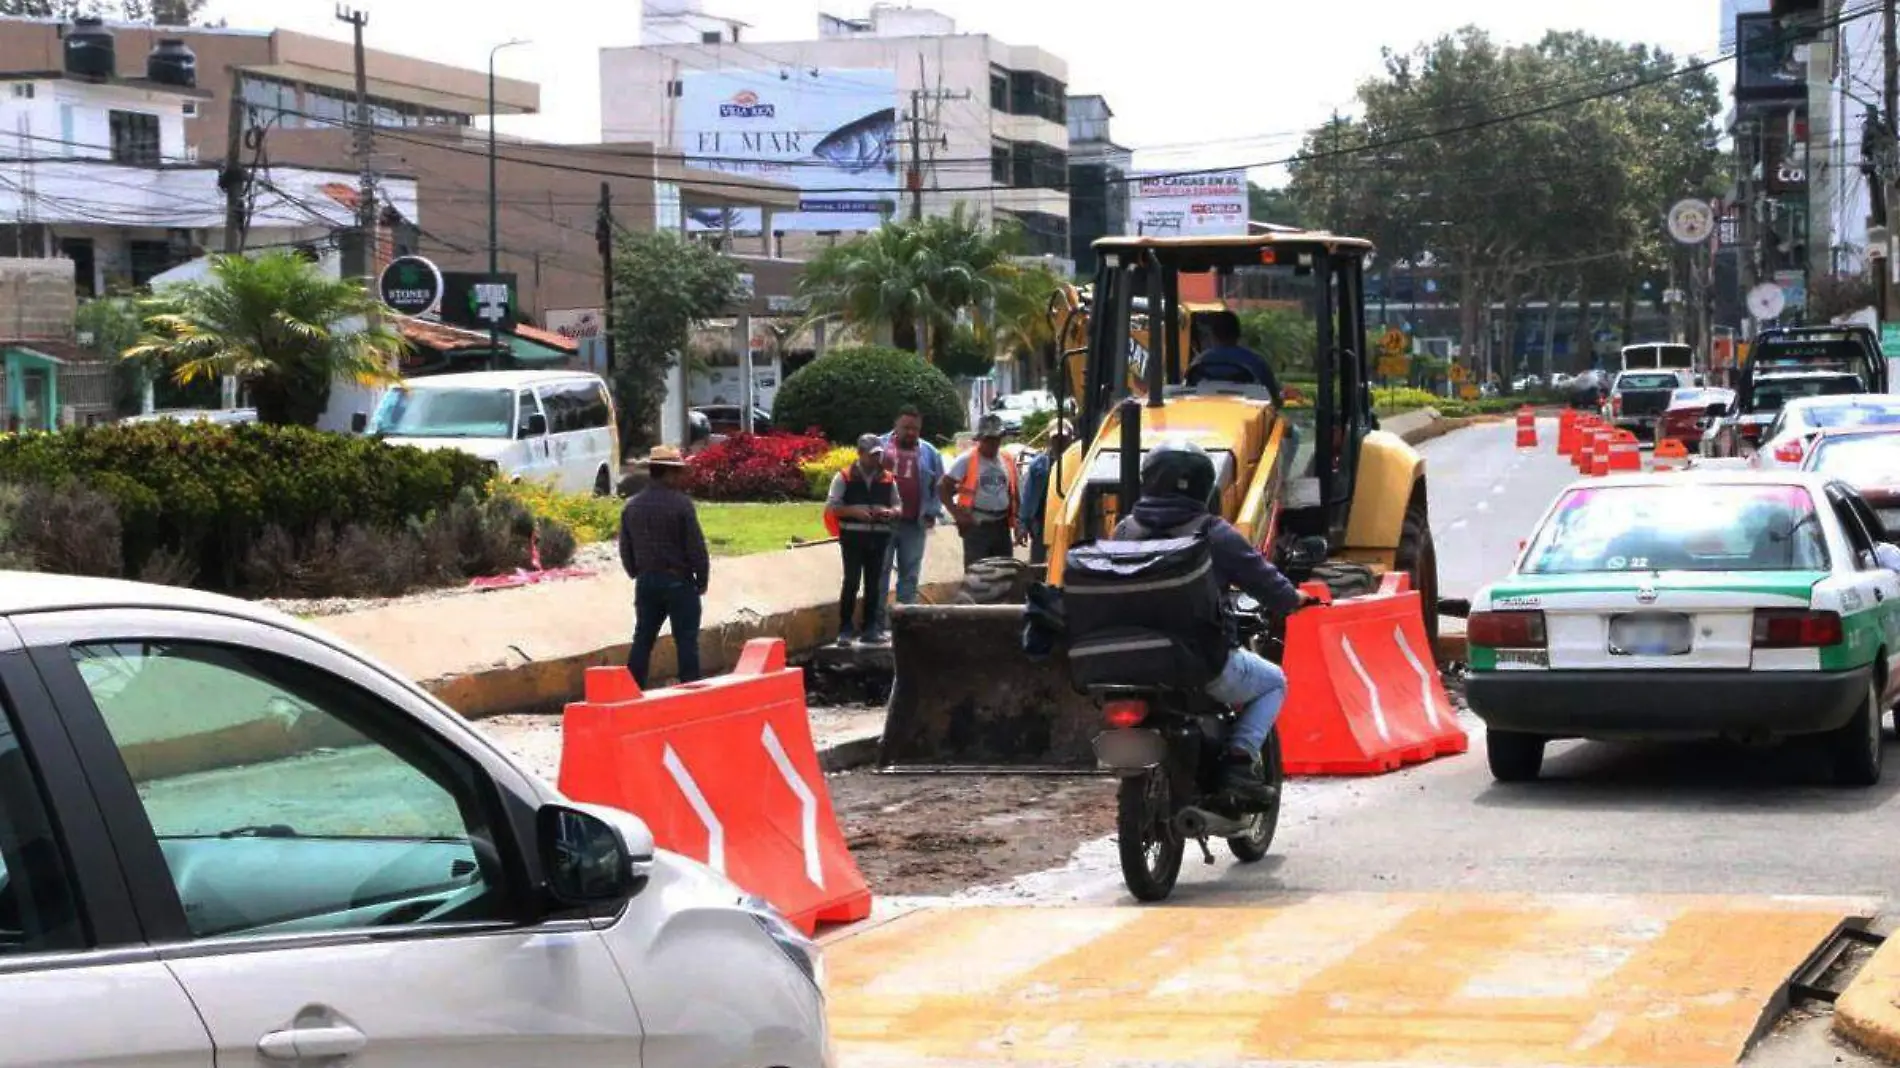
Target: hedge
209,492
856,391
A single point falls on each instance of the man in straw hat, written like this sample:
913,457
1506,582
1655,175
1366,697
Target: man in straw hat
664,553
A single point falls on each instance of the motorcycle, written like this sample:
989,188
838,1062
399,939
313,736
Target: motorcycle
1166,747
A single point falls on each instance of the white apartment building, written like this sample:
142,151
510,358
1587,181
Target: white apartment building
848,112
96,168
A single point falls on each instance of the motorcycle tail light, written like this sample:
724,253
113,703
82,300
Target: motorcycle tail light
1124,713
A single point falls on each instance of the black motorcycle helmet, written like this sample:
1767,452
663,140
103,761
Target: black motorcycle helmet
1178,469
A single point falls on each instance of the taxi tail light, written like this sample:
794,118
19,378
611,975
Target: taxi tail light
1506,630
1795,628
1789,452
1124,713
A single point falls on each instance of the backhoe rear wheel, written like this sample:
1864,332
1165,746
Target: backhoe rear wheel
1418,557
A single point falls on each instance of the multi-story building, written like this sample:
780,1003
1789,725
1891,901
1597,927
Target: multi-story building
893,112
1099,171
97,166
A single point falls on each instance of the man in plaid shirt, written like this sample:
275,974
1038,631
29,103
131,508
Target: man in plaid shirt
664,552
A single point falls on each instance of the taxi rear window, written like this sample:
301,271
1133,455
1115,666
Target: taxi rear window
1647,382
1680,528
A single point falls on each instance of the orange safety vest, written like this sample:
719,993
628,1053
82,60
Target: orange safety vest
850,471
966,492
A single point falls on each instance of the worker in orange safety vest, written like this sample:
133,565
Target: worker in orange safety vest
980,492
861,511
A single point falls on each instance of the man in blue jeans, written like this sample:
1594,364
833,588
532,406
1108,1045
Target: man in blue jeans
1177,482
664,552
917,467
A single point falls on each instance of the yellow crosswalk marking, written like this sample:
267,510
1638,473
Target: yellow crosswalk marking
1480,980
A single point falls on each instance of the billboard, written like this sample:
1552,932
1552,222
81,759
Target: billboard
1212,204
1767,63
1732,8
830,133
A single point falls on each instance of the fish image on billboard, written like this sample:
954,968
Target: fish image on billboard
862,145
716,218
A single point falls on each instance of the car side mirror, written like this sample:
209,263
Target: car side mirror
593,855
537,425
359,422
1308,553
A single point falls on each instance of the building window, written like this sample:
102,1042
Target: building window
709,37
666,207
999,90
149,258
1000,164
79,250
1043,234
135,138
1039,95
1036,166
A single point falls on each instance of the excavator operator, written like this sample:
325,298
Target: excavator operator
1227,360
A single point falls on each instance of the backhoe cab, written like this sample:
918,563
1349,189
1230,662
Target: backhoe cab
1314,483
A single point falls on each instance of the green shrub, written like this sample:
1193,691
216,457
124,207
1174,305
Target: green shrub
555,543
961,354
818,472
588,518
69,529
856,391
12,557
208,492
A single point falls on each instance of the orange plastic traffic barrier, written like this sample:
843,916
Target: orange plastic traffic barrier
1567,432
723,771
1600,454
1671,449
1363,691
1526,428
1625,454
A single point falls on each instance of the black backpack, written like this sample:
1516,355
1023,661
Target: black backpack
1148,613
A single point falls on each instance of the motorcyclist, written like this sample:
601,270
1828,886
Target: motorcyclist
1177,483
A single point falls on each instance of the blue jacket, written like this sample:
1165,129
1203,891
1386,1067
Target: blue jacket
1236,563
1035,491
930,471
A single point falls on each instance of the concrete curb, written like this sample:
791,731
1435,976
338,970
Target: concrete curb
850,754
1868,1012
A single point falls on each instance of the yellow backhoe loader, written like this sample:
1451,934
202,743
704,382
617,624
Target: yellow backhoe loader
1324,493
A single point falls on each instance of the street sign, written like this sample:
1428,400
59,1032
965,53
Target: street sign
1394,366
1691,221
1468,392
1458,372
1394,343
411,285
480,301
1766,301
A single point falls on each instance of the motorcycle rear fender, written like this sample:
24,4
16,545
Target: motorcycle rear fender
1130,751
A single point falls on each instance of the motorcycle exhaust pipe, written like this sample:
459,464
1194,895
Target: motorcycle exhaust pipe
1199,823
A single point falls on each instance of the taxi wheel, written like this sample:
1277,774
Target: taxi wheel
1514,757
1857,747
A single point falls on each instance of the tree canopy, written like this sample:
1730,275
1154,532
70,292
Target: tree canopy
161,12
664,285
1511,170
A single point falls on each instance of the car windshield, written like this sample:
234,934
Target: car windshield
1732,527
446,413
1860,460
1859,412
1773,393
1655,381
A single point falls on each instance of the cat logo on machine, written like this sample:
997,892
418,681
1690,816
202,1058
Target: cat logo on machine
1645,594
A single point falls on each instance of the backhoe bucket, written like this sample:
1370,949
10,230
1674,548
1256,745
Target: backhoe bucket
966,698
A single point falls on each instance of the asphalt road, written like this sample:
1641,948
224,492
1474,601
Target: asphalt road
1606,820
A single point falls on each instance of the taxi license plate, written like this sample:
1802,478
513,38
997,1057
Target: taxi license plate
1650,634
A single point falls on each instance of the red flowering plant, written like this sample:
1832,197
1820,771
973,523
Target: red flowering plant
754,467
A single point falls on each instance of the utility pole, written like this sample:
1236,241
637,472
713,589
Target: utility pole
235,177
1889,130
366,189
914,174
604,237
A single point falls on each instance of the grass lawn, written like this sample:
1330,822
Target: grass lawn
744,529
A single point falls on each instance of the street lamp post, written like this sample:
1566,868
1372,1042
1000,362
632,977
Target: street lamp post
494,199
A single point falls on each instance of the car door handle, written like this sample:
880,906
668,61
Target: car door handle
299,1043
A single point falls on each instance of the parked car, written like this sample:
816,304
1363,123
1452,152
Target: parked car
725,418
1785,442
1728,604
1741,432
535,425
1868,459
1692,412
271,848
1014,408
1587,390
214,416
1638,399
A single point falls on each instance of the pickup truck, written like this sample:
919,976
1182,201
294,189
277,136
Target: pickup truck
1638,399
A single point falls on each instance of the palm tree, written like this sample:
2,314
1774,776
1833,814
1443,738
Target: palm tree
280,325
912,280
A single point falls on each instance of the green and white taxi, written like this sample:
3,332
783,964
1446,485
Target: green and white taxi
1721,604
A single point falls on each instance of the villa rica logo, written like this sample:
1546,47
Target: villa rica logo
745,105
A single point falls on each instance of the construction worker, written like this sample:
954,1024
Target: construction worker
980,492
1035,493
862,511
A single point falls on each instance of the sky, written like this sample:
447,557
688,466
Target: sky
1193,83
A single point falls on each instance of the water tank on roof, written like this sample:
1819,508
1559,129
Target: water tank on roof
172,62
89,49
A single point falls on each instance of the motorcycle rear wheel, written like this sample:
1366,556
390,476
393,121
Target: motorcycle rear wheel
1145,837
1252,847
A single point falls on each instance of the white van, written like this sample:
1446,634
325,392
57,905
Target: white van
535,425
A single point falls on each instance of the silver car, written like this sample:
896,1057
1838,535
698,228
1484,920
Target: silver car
262,846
